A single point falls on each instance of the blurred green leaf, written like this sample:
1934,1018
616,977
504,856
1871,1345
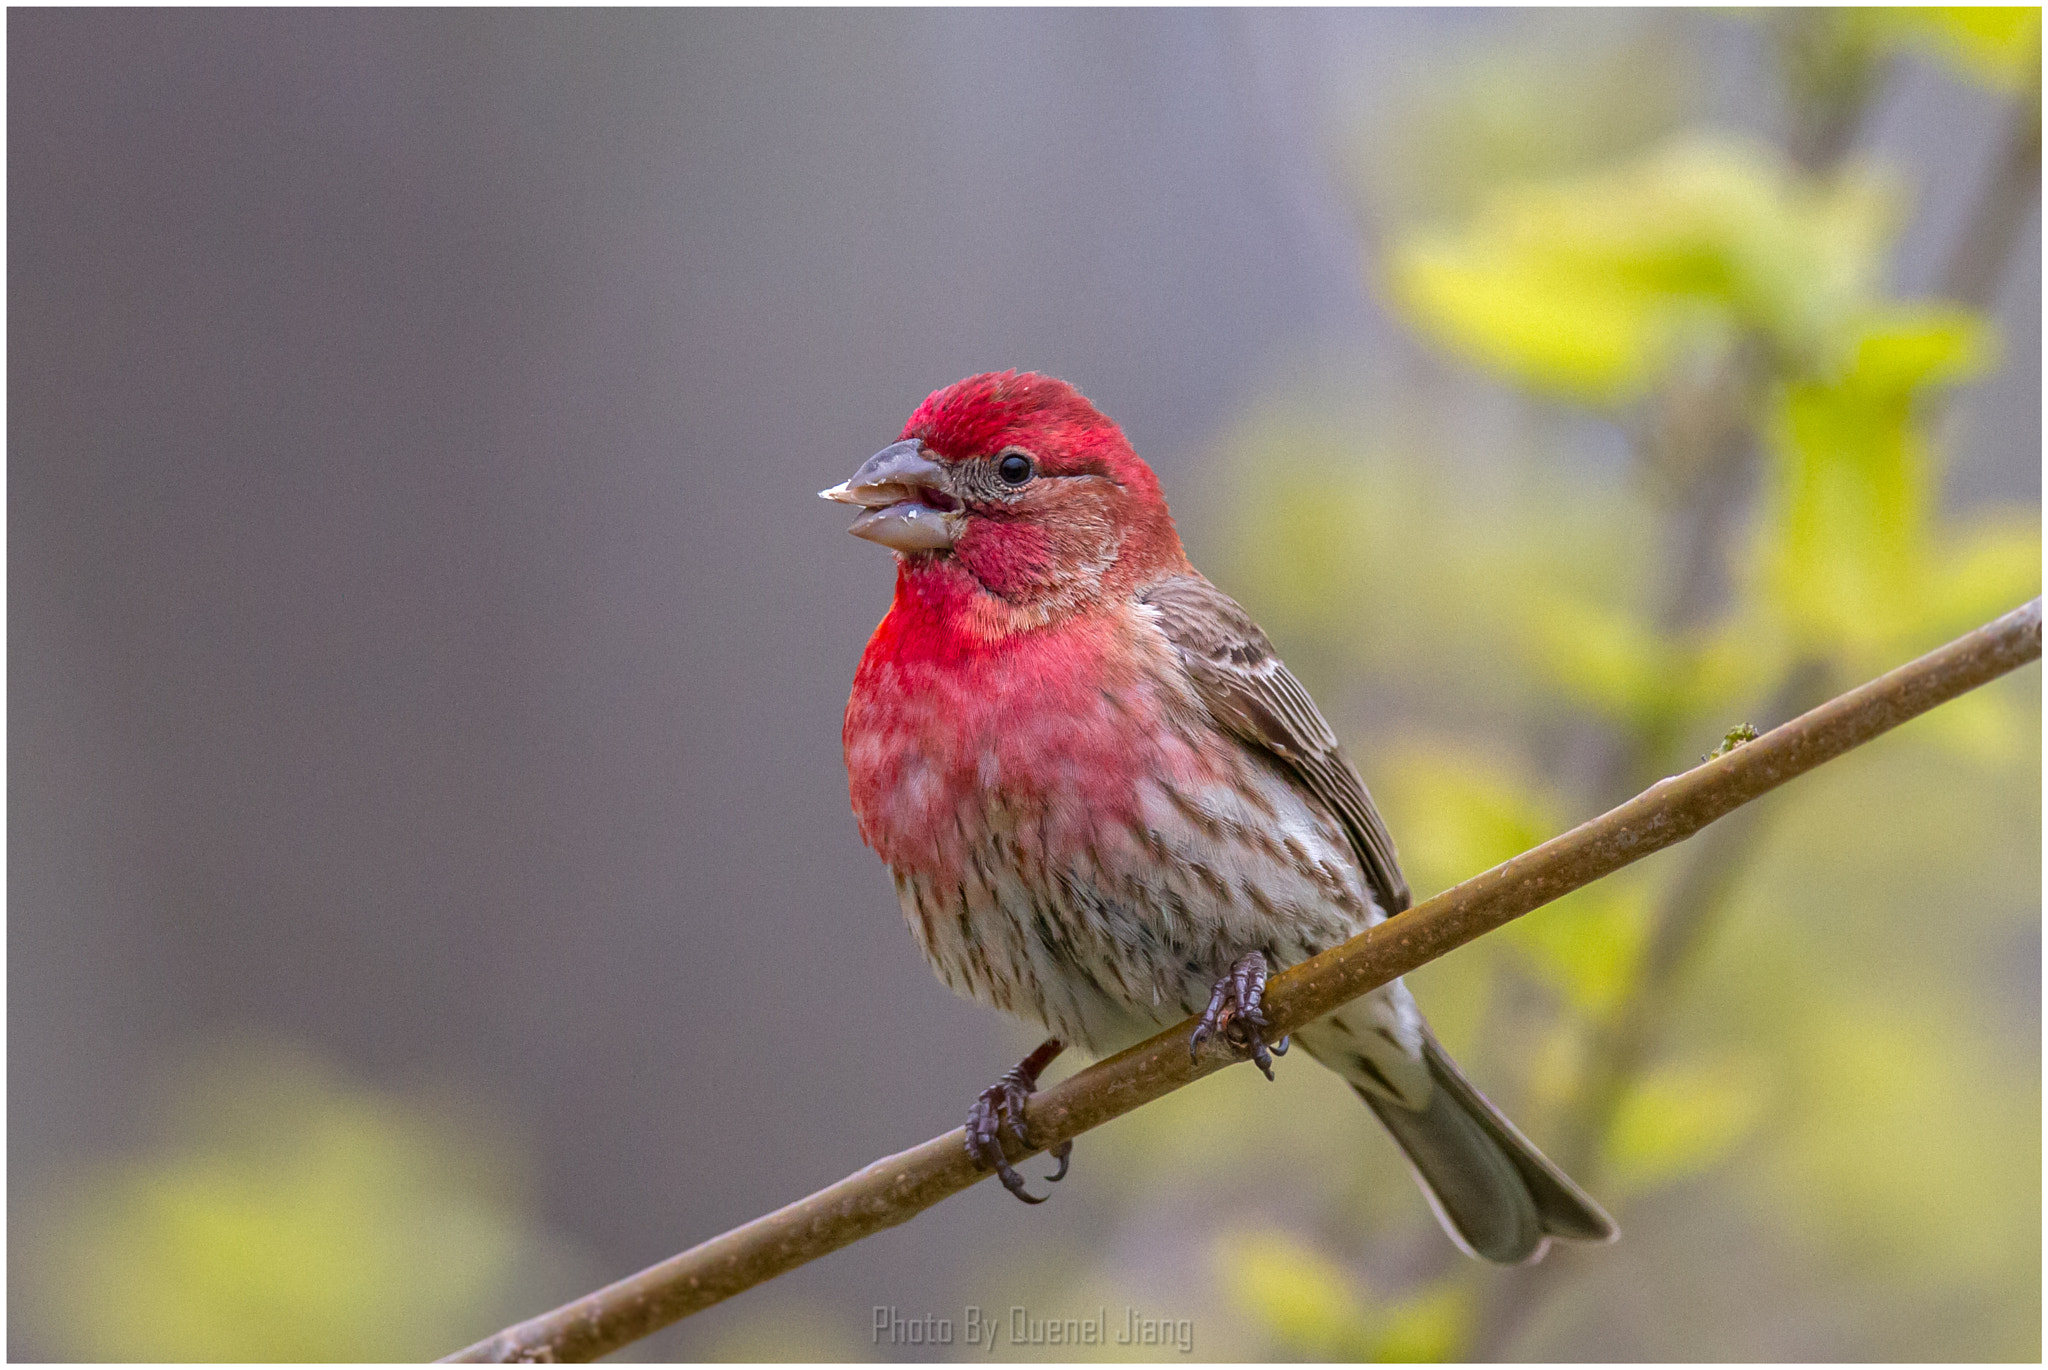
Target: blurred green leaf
1603,657
1592,287
1317,515
1587,943
1995,46
1851,550
1306,1302
1889,1118
1466,812
1316,1310
1680,1119
1539,318
291,1217
1988,565
1429,1325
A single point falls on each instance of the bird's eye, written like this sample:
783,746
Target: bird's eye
1015,469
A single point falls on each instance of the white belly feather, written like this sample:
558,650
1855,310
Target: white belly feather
1106,946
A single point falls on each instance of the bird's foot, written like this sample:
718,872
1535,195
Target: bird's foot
1235,1015
1000,1109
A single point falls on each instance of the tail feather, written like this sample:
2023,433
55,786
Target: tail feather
1498,1196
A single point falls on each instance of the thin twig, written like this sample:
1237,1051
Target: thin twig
899,1187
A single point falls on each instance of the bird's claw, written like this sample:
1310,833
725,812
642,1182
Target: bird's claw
1000,1109
1235,1015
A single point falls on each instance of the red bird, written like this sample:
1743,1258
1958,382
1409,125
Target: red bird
1107,805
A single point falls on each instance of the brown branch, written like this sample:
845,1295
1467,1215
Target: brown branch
897,1188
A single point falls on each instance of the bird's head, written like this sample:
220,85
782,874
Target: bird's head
1018,481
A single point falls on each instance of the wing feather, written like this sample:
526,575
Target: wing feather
1250,691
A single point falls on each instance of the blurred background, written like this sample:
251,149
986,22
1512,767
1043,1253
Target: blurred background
432,887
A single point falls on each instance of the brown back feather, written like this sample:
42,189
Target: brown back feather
1251,692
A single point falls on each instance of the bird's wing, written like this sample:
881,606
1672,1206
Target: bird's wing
1253,694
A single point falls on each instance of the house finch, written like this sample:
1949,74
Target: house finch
1108,806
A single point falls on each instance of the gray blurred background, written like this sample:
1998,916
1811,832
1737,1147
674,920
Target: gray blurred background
427,651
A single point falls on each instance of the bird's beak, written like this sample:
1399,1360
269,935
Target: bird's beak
905,498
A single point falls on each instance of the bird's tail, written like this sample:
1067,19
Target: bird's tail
1498,1196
